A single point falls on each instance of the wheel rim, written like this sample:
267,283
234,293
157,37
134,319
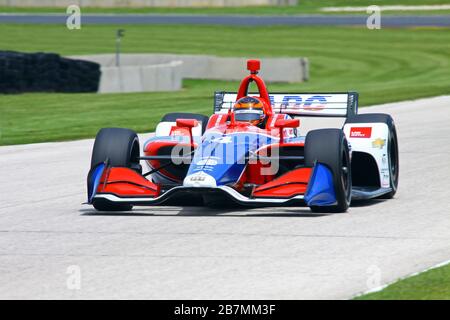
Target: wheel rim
393,162
345,173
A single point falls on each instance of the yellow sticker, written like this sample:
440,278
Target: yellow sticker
378,143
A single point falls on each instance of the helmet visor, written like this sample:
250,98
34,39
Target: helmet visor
248,115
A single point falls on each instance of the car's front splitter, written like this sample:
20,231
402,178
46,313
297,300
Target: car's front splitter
223,192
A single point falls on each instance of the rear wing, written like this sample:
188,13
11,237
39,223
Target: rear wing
299,104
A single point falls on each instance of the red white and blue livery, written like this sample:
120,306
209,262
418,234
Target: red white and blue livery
252,151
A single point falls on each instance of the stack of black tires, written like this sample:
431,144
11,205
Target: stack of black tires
46,72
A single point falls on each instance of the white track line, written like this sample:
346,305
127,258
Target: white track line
389,8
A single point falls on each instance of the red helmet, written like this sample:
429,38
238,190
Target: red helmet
249,109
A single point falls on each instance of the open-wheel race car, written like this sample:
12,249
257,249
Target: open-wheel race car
250,152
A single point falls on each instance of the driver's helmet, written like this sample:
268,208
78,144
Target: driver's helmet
249,109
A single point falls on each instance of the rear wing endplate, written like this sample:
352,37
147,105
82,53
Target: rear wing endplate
299,104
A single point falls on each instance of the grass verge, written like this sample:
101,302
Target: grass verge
433,284
383,65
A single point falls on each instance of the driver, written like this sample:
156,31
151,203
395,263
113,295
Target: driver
250,109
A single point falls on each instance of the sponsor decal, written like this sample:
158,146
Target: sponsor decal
313,103
198,178
207,162
378,143
361,132
296,103
224,139
176,131
386,180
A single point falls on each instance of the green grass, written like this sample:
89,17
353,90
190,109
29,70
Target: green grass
304,6
383,65
430,285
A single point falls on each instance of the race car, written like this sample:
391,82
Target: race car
250,152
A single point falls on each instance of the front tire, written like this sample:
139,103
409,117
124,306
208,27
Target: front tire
393,156
120,148
330,147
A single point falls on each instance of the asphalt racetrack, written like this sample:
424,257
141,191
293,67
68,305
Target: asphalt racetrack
442,20
47,236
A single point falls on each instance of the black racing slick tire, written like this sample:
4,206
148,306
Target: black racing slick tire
120,148
330,147
393,156
172,117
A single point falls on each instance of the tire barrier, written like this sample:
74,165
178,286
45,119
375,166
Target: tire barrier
46,72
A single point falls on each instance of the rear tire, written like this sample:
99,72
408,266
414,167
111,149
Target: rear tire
120,147
172,117
330,147
393,156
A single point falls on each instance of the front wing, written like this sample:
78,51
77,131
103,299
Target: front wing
300,187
